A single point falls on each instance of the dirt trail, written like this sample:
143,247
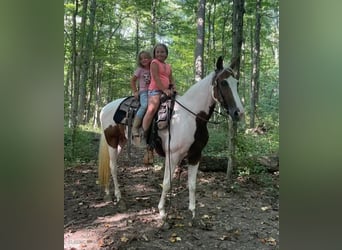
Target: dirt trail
245,217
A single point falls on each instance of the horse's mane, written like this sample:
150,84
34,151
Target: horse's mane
198,84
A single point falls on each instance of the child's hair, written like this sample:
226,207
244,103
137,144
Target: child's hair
157,45
140,54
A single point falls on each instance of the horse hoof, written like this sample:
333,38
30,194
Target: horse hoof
162,215
107,198
121,206
166,226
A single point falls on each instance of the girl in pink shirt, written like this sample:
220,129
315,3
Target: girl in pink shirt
161,80
143,77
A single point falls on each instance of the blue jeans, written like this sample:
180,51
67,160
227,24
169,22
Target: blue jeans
143,104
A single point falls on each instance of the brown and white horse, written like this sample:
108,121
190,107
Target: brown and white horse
188,131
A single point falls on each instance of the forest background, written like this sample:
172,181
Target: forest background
102,39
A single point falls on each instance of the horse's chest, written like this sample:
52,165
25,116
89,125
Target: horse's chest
201,137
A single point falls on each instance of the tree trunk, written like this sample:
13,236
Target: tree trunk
257,48
86,55
213,36
211,39
98,98
209,23
200,41
255,65
137,45
83,61
154,22
68,95
238,12
252,86
75,80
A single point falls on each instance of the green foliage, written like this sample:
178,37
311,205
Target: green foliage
85,148
218,141
249,146
114,61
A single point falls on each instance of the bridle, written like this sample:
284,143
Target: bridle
217,85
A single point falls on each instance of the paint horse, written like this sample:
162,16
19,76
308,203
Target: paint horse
187,128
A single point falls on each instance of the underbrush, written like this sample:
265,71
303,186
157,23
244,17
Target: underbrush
248,146
85,148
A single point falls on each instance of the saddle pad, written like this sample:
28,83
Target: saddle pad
130,103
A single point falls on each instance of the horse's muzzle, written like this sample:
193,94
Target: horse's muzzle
236,114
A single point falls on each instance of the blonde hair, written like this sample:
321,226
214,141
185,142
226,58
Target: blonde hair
139,55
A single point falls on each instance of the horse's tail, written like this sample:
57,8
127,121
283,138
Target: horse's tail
104,170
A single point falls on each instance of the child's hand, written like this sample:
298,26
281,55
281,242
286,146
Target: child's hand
167,92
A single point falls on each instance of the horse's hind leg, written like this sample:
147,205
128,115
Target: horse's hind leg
192,175
113,154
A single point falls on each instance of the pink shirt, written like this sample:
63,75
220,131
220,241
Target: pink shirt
164,75
144,78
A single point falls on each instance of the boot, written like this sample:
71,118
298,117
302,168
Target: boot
136,125
135,132
148,156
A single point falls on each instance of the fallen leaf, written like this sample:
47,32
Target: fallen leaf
174,238
124,239
265,208
224,237
144,237
271,241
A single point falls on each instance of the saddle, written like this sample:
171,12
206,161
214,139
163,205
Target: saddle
128,108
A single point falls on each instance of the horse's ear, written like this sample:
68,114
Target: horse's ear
233,62
219,63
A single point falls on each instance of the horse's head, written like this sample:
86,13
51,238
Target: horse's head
225,90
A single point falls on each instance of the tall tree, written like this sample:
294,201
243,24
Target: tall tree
254,91
154,21
238,13
83,64
200,40
86,58
75,81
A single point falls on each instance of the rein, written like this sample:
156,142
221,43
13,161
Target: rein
197,116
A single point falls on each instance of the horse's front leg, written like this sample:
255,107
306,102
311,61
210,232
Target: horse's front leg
192,176
168,172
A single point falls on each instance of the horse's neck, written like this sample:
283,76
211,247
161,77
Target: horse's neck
199,97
